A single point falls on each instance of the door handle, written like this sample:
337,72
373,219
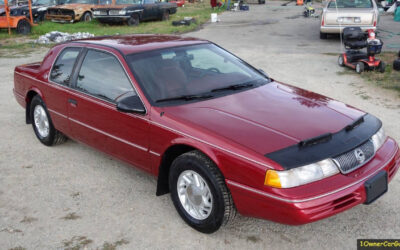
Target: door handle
73,102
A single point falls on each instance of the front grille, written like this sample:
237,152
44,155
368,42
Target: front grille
355,158
102,12
60,12
114,12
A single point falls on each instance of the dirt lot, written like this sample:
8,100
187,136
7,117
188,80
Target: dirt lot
73,196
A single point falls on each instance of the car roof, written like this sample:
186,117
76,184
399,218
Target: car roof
129,44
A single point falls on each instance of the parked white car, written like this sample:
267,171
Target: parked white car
339,14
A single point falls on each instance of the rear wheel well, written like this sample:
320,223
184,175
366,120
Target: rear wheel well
168,157
28,100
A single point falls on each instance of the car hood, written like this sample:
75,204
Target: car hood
267,118
72,6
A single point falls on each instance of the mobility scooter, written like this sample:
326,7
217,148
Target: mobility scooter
354,41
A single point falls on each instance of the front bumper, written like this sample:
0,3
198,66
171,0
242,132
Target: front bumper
301,210
60,18
111,18
339,29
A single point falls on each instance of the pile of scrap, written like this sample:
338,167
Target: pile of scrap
59,37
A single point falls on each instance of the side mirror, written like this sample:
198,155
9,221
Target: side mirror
131,104
263,73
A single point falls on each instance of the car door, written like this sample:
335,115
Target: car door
100,80
149,12
60,76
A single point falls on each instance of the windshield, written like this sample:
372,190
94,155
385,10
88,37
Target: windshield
128,2
350,4
82,1
193,71
44,2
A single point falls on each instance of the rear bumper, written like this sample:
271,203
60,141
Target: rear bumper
337,29
260,204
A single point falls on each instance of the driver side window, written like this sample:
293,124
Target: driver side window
102,75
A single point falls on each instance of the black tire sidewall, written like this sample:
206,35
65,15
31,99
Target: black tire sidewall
133,20
25,25
85,15
49,139
215,219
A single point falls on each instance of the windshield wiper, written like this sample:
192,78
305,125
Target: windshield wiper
234,87
184,98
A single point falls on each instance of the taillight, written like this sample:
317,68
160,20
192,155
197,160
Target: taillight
322,20
375,20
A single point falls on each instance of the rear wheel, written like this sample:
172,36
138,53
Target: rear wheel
23,27
359,67
165,16
323,35
87,17
341,61
134,20
42,124
382,67
199,192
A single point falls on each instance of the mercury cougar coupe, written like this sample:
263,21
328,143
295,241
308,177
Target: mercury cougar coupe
220,135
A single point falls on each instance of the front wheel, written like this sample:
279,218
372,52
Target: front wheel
134,20
42,124
199,193
87,17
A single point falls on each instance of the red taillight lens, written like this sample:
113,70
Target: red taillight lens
375,23
322,21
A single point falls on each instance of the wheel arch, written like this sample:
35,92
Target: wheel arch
170,154
28,98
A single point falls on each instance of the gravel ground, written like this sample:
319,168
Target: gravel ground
73,196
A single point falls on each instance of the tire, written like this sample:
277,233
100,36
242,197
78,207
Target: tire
23,27
360,67
221,209
165,16
396,64
323,36
382,67
87,17
53,136
134,20
341,61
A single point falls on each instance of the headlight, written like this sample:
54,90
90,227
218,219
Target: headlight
96,12
301,175
122,12
357,20
378,138
339,19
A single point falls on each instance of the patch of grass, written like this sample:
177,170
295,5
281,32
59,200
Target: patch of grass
17,248
253,238
113,246
390,79
76,243
71,216
201,11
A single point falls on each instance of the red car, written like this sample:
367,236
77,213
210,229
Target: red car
219,134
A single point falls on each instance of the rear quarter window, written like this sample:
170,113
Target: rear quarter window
61,72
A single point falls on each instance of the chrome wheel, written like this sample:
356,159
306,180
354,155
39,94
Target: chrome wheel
41,121
194,195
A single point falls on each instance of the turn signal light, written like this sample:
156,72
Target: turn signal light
272,179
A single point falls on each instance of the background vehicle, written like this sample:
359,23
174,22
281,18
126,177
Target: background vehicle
74,11
134,11
39,9
339,14
20,23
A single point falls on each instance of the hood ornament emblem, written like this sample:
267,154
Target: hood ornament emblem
360,156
